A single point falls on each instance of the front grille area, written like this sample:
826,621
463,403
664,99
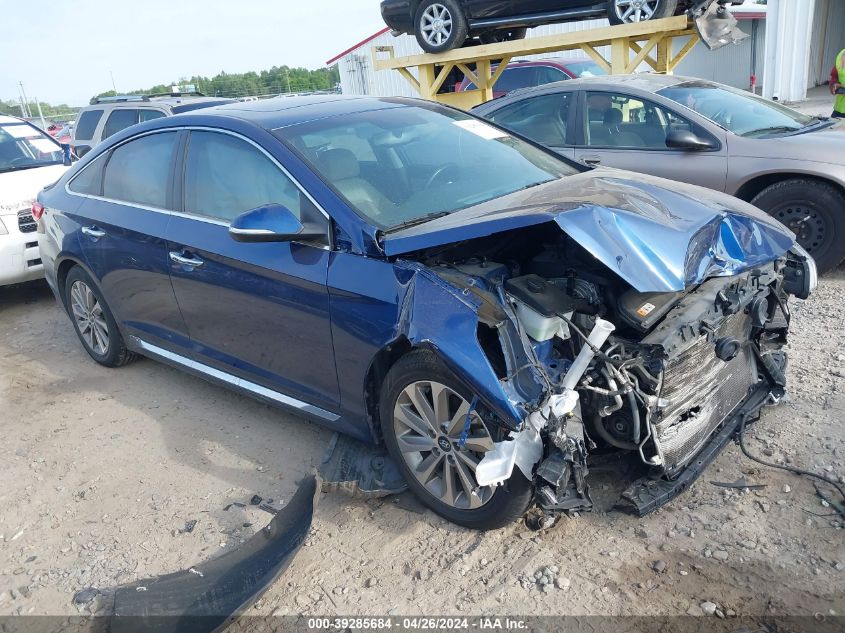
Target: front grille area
703,391
26,223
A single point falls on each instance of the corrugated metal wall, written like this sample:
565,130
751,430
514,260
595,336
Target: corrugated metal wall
731,65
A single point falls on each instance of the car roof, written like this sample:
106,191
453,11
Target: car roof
172,101
273,114
646,82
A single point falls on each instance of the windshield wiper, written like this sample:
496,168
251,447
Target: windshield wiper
776,129
420,220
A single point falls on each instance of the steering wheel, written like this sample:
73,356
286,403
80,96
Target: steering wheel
18,160
442,172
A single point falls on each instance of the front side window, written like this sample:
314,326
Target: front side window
226,176
23,146
542,119
740,112
618,120
118,120
86,125
411,162
514,78
137,171
549,74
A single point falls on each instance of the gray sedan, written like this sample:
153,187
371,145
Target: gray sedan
788,164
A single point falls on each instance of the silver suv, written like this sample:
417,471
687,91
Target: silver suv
108,115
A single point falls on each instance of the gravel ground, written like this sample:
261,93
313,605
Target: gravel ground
104,468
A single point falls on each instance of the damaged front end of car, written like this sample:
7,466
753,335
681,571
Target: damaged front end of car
603,343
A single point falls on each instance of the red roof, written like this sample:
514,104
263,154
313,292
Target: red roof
358,45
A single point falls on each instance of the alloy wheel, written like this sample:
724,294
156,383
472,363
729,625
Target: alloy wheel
442,441
436,24
89,318
636,10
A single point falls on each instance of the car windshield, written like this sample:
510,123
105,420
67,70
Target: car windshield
23,146
403,165
742,113
585,69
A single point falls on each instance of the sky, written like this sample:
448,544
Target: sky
157,41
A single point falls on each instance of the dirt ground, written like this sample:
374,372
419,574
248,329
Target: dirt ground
102,469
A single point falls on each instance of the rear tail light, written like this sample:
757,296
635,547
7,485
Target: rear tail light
37,211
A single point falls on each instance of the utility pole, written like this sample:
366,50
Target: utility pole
112,82
40,114
27,113
287,77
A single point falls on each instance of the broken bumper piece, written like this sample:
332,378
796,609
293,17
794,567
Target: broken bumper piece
205,598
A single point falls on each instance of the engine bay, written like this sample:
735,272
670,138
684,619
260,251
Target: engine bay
673,369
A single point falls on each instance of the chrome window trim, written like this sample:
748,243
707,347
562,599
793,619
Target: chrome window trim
241,383
194,216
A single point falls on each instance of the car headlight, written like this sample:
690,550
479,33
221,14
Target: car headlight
801,276
3,230
811,269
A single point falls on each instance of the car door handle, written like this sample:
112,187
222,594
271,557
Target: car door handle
591,160
93,231
179,258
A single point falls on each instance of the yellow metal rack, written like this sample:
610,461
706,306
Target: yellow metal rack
630,45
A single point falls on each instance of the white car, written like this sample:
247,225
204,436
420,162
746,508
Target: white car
29,161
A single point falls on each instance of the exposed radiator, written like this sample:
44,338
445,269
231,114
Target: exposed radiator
703,391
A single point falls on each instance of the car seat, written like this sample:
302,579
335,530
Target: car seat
618,136
342,170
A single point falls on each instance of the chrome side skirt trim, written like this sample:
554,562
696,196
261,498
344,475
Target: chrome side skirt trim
240,383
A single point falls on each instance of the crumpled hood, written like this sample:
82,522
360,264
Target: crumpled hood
19,188
656,234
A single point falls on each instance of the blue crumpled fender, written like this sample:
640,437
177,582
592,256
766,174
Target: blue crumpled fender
437,315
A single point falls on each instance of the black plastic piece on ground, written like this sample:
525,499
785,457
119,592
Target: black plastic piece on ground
205,598
647,495
362,470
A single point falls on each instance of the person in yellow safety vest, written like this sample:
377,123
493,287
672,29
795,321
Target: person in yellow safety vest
837,86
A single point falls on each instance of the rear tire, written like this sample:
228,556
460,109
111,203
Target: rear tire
93,320
814,211
440,25
625,12
433,449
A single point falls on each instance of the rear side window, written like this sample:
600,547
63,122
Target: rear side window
225,176
138,171
118,120
149,115
542,119
90,180
86,125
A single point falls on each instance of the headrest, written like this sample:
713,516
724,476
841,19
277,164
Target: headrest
613,117
339,164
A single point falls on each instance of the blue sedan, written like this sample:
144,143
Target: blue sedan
407,273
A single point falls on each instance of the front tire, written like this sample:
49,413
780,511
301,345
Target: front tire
814,211
423,412
440,26
629,11
93,320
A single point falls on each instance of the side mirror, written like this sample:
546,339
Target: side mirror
271,223
688,140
